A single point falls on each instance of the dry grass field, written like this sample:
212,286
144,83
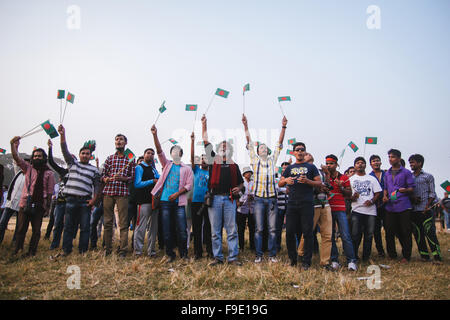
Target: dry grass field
43,278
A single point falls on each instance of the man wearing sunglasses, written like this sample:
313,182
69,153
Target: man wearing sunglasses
301,178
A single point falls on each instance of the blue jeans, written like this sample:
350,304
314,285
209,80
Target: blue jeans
95,218
447,219
279,228
222,214
341,218
263,207
59,212
76,211
363,224
171,213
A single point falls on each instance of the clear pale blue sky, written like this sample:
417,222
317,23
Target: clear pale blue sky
346,81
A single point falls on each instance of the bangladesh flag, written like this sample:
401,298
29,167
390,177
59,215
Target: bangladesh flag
49,129
129,155
286,98
163,107
173,141
353,146
92,157
2,151
191,107
394,195
222,93
291,152
247,87
371,140
446,186
61,94
70,97
155,160
292,141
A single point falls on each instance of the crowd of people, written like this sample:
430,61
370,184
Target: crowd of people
212,193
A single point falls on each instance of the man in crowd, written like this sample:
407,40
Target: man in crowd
398,187
225,183
36,195
82,183
341,190
365,192
375,163
245,211
282,198
146,176
301,178
422,217
175,181
118,172
264,190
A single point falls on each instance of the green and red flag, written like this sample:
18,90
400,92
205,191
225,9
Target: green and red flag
61,94
292,141
446,186
155,160
246,88
353,146
285,98
163,107
129,155
222,93
191,107
2,151
371,140
92,157
173,141
49,129
290,152
70,97
393,195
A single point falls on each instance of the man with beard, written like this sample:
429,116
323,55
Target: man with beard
117,173
225,183
37,191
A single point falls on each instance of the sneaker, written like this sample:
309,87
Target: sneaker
215,262
258,260
335,265
329,267
293,263
273,260
352,266
152,254
235,263
305,266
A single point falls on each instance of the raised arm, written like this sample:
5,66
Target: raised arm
204,131
283,130
156,139
15,154
247,133
61,171
193,151
64,149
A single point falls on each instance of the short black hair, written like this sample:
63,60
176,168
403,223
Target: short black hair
359,159
417,158
348,169
298,144
285,163
181,150
122,135
332,156
395,152
402,162
373,157
84,148
145,151
140,158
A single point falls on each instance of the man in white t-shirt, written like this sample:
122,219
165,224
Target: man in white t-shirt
365,192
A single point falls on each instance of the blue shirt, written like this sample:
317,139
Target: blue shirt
139,171
201,178
172,183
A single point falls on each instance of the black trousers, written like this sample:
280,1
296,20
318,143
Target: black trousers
398,224
201,228
299,221
422,226
51,222
242,220
379,223
24,222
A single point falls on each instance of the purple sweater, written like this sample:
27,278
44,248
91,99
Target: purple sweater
403,179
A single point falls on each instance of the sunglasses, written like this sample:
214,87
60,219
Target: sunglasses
299,149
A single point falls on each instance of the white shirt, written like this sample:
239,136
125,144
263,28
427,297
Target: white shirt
366,186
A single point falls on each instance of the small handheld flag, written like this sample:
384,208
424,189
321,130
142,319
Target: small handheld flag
246,88
446,186
371,140
290,152
222,93
191,107
49,129
286,98
2,151
70,97
90,144
163,107
353,146
292,141
394,195
173,141
129,155
92,157
61,94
